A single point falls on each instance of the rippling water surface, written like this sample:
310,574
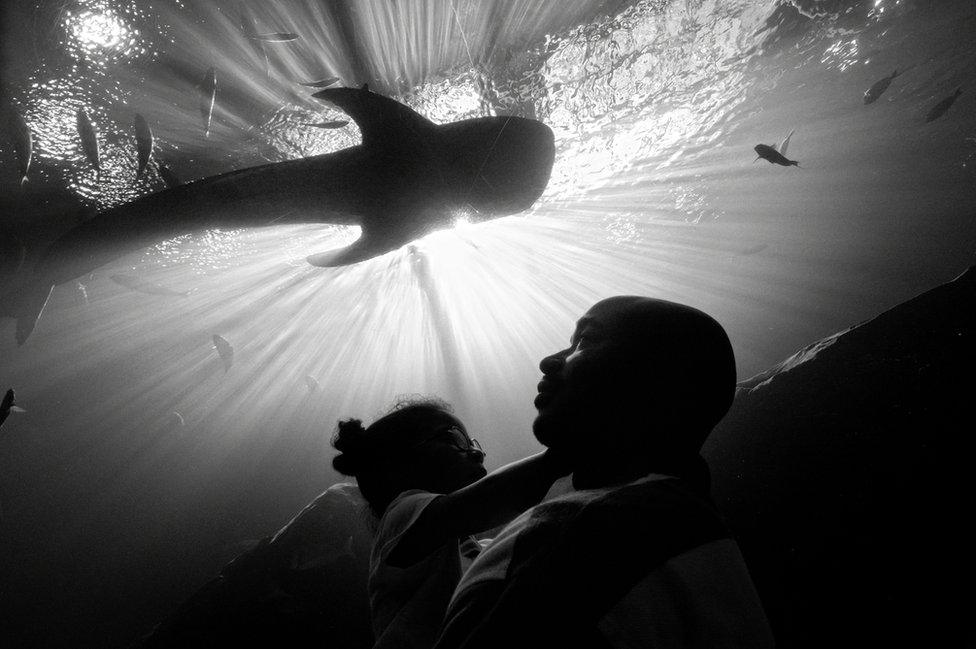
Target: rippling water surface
656,106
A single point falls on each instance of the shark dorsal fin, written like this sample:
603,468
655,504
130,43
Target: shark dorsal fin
784,144
380,119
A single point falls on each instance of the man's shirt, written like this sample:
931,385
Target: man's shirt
645,564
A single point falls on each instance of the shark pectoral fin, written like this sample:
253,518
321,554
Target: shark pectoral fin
363,248
355,252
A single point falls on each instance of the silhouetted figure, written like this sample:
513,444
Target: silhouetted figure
403,464
637,556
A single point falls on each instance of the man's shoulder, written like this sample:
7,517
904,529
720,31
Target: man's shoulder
645,521
638,504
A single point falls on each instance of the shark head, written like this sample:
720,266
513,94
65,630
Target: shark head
481,168
490,166
497,166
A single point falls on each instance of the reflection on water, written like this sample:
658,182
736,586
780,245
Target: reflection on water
656,106
97,34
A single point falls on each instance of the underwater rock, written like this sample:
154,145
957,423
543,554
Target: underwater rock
305,586
839,471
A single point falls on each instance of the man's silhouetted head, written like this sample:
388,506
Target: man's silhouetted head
643,380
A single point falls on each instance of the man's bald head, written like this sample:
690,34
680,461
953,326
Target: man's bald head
639,372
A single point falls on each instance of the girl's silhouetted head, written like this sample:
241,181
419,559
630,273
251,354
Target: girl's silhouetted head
418,444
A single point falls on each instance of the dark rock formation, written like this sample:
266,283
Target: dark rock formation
843,473
302,587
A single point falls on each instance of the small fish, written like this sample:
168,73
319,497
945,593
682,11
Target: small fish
249,30
311,383
142,286
23,144
89,143
940,108
208,96
144,143
336,124
176,420
224,350
168,176
774,155
871,94
8,406
322,83
275,37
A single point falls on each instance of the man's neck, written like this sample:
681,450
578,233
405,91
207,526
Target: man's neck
609,474
599,472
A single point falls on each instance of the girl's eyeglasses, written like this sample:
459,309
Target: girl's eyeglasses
458,438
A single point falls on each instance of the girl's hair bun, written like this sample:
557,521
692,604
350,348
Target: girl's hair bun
351,442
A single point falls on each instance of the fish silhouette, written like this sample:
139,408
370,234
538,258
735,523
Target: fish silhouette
330,125
23,144
249,31
322,83
940,108
224,350
144,143
409,177
7,406
208,97
773,155
89,143
877,89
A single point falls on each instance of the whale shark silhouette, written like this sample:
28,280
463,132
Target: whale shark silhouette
408,177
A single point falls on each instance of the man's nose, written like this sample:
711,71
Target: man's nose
552,363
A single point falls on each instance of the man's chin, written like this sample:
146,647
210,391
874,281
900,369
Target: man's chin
546,429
